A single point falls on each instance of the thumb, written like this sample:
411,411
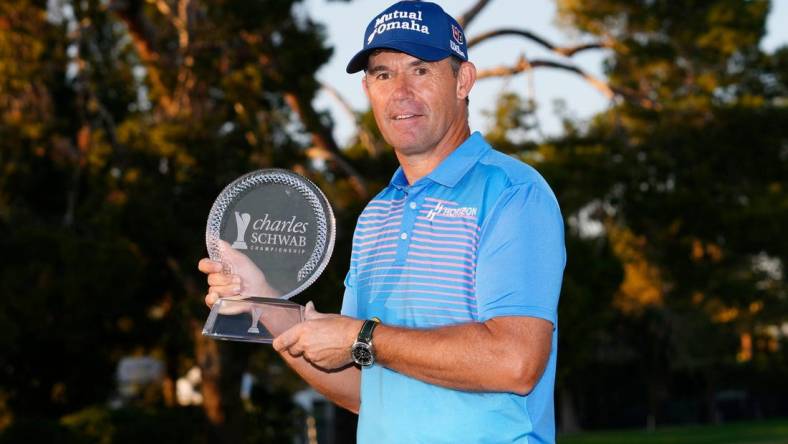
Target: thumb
310,312
286,339
234,259
228,252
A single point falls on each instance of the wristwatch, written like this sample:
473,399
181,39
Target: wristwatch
362,352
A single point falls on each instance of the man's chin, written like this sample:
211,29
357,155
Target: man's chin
410,149
407,143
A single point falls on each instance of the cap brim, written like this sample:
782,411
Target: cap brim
428,53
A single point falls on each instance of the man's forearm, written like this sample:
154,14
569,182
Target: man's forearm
341,386
502,355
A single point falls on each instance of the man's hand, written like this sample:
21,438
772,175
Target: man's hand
322,339
341,386
246,279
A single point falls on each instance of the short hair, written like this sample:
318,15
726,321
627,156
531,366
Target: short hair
455,63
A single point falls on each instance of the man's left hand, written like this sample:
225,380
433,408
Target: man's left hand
322,339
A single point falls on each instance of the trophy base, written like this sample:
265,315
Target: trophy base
251,319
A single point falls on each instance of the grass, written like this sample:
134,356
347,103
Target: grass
755,432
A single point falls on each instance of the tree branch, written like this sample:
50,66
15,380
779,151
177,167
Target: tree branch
140,31
364,135
523,64
324,140
566,51
356,180
180,21
466,19
185,77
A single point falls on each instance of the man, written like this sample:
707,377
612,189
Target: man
448,328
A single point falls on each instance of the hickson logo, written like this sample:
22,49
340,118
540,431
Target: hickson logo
441,210
398,20
267,232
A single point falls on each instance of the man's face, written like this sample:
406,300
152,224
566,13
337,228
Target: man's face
415,103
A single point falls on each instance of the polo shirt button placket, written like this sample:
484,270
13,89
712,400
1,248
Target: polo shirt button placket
413,206
408,219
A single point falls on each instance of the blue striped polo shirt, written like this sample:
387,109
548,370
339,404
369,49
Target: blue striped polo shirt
480,236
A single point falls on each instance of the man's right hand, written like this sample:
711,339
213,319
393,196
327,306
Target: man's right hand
246,279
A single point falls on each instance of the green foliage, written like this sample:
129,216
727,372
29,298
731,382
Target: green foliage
119,124
773,431
513,119
99,425
690,192
674,52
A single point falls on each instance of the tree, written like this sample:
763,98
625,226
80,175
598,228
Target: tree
696,180
121,121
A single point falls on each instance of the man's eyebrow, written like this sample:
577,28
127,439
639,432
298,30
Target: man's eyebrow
376,69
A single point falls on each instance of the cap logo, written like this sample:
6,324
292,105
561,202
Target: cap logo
456,34
407,20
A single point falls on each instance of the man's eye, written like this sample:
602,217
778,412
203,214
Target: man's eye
421,71
383,76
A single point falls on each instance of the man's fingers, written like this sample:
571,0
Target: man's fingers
286,339
224,279
208,266
211,299
225,290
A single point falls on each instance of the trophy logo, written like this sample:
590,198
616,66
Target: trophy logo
256,311
242,223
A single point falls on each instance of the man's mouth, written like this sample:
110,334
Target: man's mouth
405,116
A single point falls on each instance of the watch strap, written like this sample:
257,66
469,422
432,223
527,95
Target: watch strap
365,334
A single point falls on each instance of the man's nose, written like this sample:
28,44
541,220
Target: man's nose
403,87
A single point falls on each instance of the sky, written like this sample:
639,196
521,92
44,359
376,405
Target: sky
345,23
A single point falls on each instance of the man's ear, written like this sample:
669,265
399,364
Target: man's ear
466,77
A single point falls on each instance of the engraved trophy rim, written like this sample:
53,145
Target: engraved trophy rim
321,207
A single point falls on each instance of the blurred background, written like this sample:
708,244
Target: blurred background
662,126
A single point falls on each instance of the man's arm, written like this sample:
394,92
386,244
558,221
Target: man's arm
340,383
342,387
505,354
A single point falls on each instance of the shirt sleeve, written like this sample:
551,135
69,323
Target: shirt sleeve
521,255
349,300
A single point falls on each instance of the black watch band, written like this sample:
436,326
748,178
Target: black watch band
365,334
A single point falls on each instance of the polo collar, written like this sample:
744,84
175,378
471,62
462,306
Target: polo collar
453,167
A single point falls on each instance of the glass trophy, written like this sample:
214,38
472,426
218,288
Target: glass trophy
276,230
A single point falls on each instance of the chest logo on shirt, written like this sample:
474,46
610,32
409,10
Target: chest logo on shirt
441,210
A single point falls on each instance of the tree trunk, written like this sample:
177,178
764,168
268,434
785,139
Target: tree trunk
569,423
221,365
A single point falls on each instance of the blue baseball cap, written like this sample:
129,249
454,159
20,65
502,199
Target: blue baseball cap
421,29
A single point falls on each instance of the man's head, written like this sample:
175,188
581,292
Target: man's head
417,77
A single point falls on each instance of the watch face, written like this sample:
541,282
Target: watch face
362,354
